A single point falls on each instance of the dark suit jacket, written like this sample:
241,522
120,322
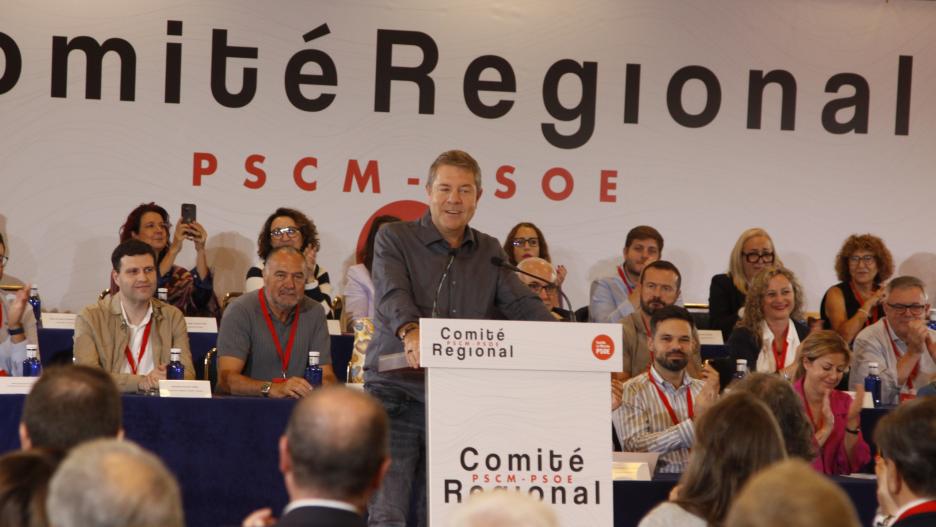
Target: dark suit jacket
321,517
926,519
724,302
742,345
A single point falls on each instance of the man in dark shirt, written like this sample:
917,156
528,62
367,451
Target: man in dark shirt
436,266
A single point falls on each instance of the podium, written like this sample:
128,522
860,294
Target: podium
521,406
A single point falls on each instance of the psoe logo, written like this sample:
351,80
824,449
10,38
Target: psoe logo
603,347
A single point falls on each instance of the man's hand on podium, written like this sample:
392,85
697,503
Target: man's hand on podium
411,347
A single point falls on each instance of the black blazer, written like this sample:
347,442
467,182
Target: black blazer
742,344
926,519
724,302
321,517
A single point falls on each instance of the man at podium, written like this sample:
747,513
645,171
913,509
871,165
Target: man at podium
436,266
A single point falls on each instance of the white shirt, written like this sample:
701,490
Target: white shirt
766,361
136,339
317,502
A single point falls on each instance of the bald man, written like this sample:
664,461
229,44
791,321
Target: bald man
545,287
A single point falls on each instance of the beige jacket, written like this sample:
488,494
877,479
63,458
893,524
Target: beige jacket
101,335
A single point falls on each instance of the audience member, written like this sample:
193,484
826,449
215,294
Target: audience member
770,330
289,227
526,240
190,291
787,409
753,251
906,466
264,337
69,405
17,325
437,265
546,288
737,437
333,456
130,333
862,265
108,482
901,343
659,406
24,485
503,508
790,493
359,288
835,416
614,297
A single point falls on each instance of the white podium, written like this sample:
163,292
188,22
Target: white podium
520,405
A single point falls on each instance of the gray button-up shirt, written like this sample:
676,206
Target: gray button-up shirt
409,260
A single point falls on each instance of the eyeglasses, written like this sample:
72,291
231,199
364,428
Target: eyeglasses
758,257
529,242
165,225
536,288
914,309
289,232
867,259
4,260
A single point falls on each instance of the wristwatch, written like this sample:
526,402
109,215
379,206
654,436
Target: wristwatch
265,389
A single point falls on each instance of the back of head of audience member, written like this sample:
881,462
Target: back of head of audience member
787,409
335,446
906,440
24,485
366,254
733,440
108,482
502,508
69,405
791,493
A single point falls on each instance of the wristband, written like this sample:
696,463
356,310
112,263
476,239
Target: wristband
16,331
866,314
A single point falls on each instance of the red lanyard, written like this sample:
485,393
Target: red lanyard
821,455
874,314
916,369
666,403
627,284
645,325
284,357
780,357
923,508
146,334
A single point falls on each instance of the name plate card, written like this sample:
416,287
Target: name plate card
189,389
58,320
711,337
201,324
16,385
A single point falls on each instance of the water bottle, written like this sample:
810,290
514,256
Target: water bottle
740,370
36,304
313,372
162,294
175,371
873,383
31,366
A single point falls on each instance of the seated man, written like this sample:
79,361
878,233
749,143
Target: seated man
906,441
659,406
265,337
130,334
17,325
546,288
614,297
901,343
69,405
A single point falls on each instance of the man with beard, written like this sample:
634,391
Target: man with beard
614,297
659,406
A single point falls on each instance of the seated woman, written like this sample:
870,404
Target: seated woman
836,418
734,439
770,331
291,227
192,291
753,251
526,240
359,288
862,265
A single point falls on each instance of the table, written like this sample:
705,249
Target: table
224,453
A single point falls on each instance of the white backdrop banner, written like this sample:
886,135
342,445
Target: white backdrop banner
814,120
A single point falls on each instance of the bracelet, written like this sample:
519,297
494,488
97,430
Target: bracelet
17,331
866,313
853,431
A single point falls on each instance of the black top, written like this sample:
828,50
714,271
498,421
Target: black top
743,345
925,519
724,302
320,517
852,305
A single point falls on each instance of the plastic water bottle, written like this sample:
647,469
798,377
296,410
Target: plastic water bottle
873,383
313,372
162,294
740,370
36,304
31,366
175,371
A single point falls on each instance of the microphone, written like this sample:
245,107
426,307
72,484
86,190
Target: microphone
497,261
445,272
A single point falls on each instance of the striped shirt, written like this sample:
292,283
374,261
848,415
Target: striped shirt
645,425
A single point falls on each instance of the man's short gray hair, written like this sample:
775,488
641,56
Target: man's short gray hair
906,282
113,483
455,158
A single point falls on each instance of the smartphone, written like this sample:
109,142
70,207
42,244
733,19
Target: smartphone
188,212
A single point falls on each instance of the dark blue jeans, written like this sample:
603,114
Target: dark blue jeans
401,498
